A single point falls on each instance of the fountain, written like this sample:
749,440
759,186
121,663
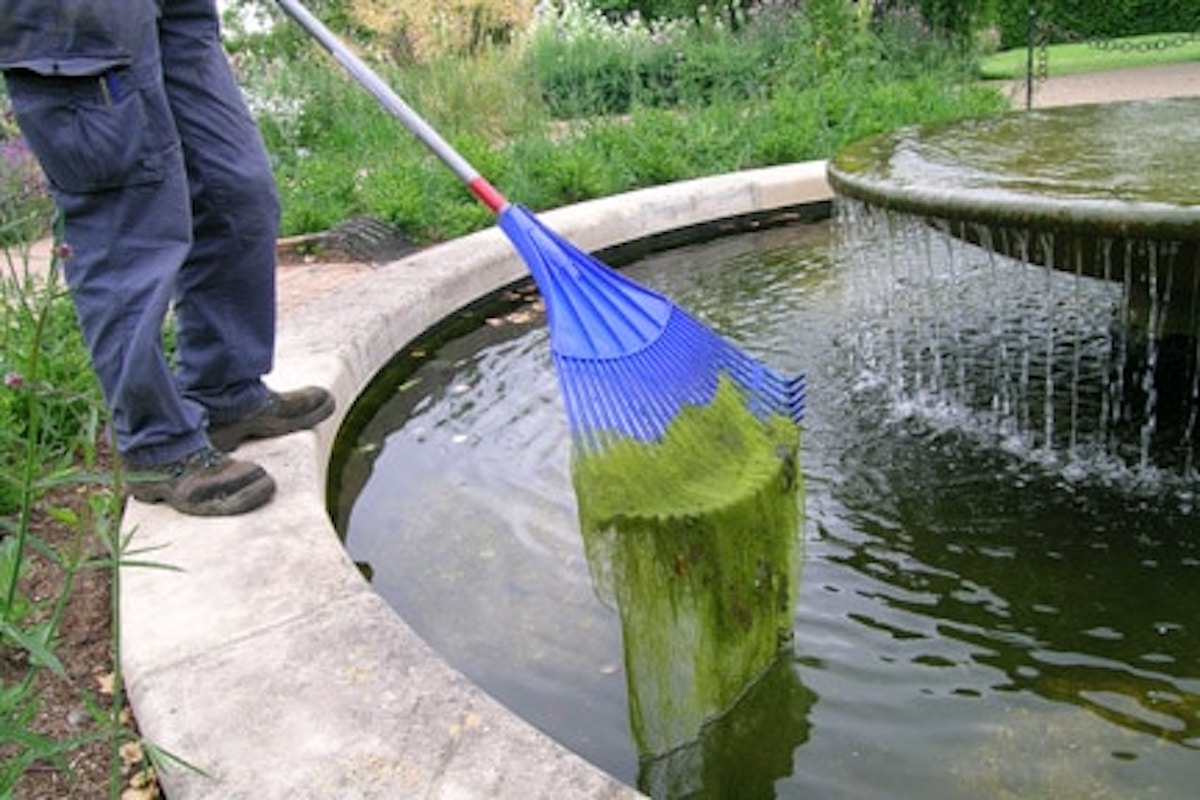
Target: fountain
1106,192
967,624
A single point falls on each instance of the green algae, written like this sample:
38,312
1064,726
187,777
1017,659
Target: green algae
695,540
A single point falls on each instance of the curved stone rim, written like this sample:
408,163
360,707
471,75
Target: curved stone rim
264,659
1116,220
863,171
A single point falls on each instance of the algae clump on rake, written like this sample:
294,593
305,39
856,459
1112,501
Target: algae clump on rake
695,538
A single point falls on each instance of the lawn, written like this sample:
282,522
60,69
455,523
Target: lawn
1075,57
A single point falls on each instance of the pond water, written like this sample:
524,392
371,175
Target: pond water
986,608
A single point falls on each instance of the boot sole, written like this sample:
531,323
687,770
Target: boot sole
243,499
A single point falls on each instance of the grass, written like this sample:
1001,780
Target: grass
1079,57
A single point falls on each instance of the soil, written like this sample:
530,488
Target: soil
84,646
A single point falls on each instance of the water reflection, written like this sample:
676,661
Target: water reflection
744,753
1080,597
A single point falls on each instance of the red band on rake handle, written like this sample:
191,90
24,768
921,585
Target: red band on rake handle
487,194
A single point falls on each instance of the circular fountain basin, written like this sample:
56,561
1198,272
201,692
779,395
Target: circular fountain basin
1117,170
969,623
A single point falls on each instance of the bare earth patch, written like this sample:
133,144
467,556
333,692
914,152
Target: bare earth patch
68,705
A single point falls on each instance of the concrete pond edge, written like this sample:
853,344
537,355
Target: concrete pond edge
253,649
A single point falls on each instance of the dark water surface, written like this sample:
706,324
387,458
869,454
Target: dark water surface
987,608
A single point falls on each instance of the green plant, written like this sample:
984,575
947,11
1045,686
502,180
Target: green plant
640,103
49,400
52,482
586,65
44,422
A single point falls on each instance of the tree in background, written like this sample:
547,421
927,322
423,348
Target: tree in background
1077,20
956,21
729,11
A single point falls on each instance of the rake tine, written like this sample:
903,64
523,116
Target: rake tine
642,413
604,411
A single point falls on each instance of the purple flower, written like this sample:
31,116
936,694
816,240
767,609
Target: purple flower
14,150
14,380
19,170
63,251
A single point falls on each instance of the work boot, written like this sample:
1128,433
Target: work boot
205,484
284,412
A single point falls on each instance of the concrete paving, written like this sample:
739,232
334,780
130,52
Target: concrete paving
264,659
1144,83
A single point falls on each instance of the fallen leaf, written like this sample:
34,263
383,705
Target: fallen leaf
132,754
143,779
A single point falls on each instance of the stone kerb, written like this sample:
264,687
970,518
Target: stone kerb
261,656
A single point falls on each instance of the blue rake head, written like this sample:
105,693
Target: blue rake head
627,358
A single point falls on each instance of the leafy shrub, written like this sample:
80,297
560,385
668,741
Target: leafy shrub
1075,20
640,104
585,65
420,31
912,47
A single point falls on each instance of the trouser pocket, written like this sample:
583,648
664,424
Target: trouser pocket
90,134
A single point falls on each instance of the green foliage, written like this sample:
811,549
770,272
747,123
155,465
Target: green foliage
18,708
675,9
338,153
423,197
639,103
49,397
805,119
913,48
252,26
586,66
24,201
954,19
49,406
1078,20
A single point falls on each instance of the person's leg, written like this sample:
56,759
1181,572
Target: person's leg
108,147
225,301
225,290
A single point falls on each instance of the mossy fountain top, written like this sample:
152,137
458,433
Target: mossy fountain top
1116,169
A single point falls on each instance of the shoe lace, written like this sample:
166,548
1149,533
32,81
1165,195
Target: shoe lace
205,459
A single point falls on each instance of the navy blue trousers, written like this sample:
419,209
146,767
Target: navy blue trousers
167,200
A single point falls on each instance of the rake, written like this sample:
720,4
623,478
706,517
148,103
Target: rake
627,359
